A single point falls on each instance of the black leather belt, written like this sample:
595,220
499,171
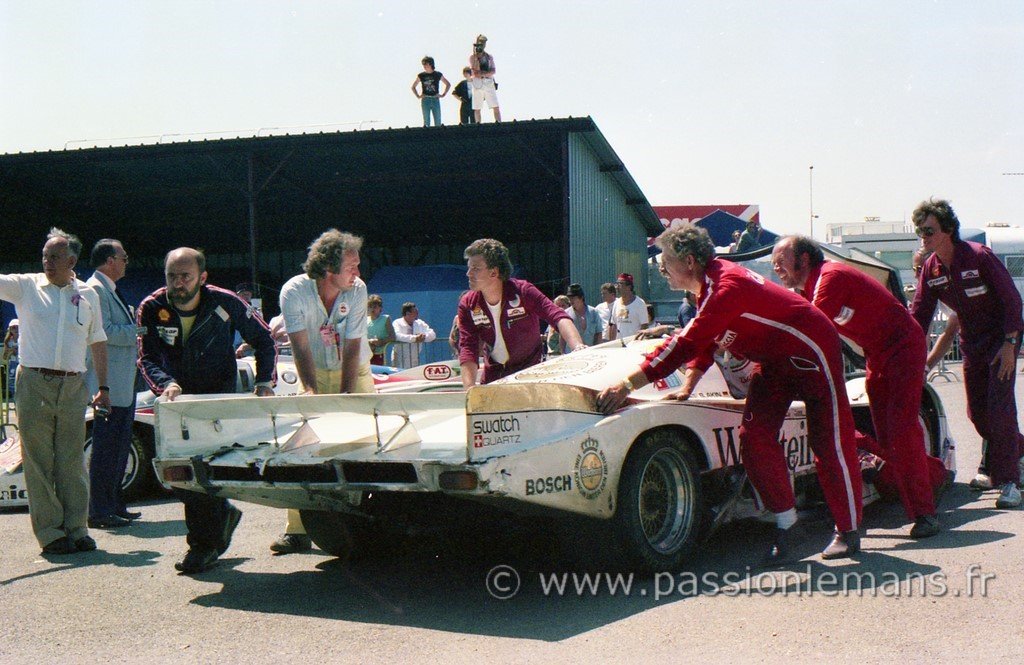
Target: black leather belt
52,372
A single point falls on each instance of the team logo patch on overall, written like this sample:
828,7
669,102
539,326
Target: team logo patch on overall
976,291
938,281
479,318
727,338
163,315
970,274
844,316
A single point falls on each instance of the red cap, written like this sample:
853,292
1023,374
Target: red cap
627,278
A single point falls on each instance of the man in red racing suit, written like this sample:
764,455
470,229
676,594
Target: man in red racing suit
799,357
894,347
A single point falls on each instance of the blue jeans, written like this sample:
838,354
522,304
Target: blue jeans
431,105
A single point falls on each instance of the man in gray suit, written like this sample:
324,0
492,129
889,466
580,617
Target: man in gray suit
112,435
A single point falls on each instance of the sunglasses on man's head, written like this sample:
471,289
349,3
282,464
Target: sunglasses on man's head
924,231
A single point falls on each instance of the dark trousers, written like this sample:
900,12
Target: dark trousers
466,116
111,442
992,408
206,518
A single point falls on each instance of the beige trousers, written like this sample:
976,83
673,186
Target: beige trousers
328,381
51,422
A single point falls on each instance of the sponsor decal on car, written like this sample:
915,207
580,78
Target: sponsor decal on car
562,367
14,493
437,372
591,469
669,382
496,431
548,485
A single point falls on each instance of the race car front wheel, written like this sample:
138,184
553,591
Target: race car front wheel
139,478
660,512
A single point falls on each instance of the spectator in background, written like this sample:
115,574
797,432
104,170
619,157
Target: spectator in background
687,310
735,241
969,279
112,435
501,315
411,333
750,239
554,340
10,357
60,320
604,309
464,93
429,93
484,87
586,318
379,331
629,311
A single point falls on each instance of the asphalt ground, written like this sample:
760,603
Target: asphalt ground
954,596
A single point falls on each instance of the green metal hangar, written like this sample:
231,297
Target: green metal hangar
554,191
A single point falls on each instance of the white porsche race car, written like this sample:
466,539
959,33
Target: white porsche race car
139,479
652,476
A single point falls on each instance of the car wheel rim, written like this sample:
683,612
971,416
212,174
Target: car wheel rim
666,501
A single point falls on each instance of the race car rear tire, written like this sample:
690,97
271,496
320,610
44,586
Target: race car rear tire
337,534
660,512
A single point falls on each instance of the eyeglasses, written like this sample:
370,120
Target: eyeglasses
917,270
924,231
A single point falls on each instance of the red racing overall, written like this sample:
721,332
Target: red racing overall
894,346
799,357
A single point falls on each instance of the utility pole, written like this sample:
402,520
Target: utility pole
810,176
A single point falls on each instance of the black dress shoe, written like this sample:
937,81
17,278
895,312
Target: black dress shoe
128,515
60,546
108,522
85,544
843,545
779,553
197,559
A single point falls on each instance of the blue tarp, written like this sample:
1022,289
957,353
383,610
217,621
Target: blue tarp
720,226
434,289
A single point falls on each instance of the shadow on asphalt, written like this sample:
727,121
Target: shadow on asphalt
442,585
133,559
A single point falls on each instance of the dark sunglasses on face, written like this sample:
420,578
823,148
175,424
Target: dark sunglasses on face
924,231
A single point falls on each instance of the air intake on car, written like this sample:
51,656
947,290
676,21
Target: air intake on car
363,472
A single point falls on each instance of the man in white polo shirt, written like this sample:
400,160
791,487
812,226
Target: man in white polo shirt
325,315
60,316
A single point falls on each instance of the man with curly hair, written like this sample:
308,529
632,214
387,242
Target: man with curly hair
325,315
798,357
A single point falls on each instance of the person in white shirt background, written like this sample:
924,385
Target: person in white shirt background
411,333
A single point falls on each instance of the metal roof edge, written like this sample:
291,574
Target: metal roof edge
611,164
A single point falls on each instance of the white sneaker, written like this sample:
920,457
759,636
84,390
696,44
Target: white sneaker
1009,496
981,482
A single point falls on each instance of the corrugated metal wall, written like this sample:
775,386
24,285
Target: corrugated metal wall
606,237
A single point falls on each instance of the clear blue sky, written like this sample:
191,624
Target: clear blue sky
710,102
